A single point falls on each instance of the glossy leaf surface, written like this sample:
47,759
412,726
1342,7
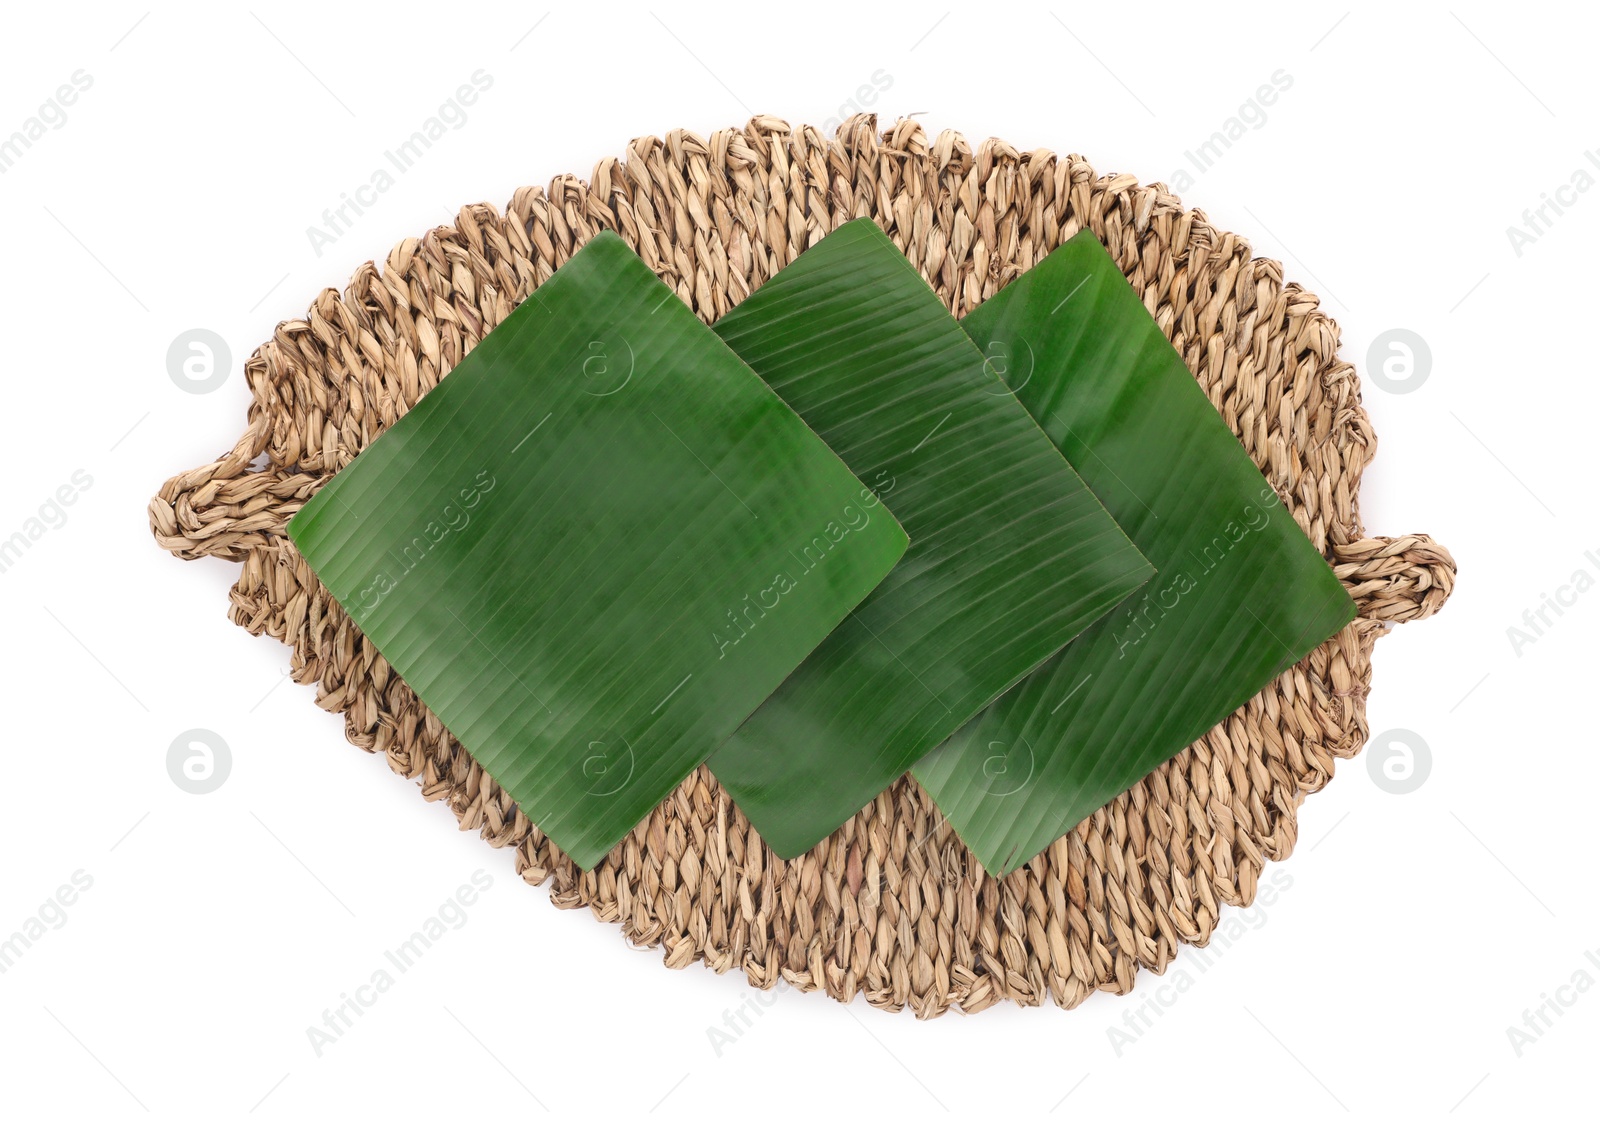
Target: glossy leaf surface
1240,593
554,544
1011,554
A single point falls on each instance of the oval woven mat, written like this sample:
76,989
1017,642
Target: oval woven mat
892,904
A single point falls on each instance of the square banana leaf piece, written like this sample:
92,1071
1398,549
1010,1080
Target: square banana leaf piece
1011,554
1240,595
547,545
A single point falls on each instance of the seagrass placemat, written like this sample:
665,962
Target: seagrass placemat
892,904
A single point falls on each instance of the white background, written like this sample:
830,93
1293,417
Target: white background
177,194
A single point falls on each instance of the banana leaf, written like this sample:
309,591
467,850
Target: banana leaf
555,545
1011,554
1240,594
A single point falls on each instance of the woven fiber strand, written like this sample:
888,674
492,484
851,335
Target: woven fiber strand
892,904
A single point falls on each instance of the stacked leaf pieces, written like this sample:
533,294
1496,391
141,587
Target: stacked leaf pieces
614,543
546,545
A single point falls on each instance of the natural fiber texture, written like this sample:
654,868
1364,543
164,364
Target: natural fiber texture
891,904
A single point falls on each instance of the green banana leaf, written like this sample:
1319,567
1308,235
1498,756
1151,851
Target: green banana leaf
1011,554
555,545
1241,594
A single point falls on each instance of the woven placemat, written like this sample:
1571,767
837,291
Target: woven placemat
892,904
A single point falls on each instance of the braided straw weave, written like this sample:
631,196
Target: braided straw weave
892,904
